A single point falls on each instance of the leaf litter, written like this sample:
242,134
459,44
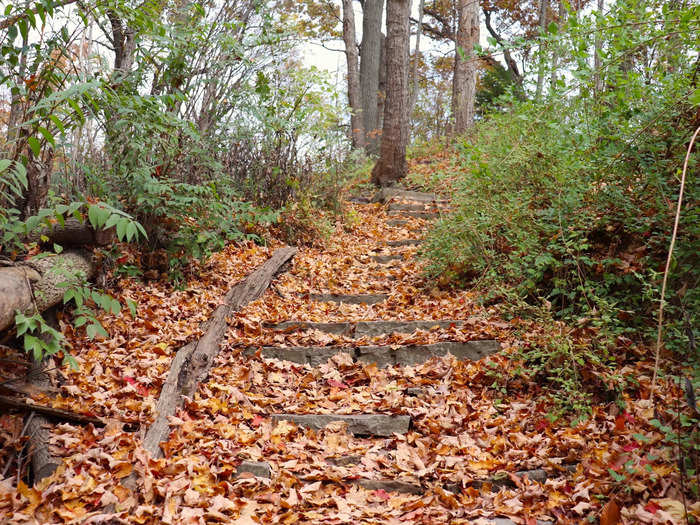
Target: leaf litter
466,444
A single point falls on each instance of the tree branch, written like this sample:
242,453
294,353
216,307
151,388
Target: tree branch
12,20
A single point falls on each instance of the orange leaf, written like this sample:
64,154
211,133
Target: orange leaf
610,515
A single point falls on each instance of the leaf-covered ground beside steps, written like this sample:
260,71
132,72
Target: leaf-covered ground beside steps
460,457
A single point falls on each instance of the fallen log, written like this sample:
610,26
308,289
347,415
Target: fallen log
54,413
35,283
72,233
193,361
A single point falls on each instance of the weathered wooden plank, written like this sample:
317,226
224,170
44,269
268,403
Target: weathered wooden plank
193,361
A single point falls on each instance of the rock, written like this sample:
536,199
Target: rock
358,424
385,194
350,298
404,242
382,355
259,469
390,486
375,328
396,222
415,391
395,206
427,215
383,259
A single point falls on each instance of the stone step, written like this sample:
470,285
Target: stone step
427,215
259,469
359,199
384,259
396,222
386,194
365,328
381,425
392,485
395,206
349,298
383,356
405,242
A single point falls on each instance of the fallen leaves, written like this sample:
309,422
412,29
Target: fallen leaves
466,444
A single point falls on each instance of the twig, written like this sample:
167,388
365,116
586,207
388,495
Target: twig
668,265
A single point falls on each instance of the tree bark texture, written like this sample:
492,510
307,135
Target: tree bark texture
416,57
36,282
357,131
73,233
391,165
464,79
193,361
370,62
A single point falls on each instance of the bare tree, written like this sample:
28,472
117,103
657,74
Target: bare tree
351,54
464,81
391,165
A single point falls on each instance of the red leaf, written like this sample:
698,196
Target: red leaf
257,421
382,494
652,507
629,447
129,380
337,384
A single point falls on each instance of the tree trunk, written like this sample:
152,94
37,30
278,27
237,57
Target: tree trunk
598,47
416,58
370,62
464,80
381,88
36,283
391,165
357,132
543,28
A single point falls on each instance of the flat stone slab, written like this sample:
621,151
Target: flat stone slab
359,424
365,328
312,355
395,206
359,199
259,469
396,222
383,356
404,242
384,259
389,486
414,355
498,482
390,193
420,214
350,298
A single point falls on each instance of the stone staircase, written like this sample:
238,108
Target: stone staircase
378,431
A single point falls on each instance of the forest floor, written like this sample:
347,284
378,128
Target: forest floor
417,426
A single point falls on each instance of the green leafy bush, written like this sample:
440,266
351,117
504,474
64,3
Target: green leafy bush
569,201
